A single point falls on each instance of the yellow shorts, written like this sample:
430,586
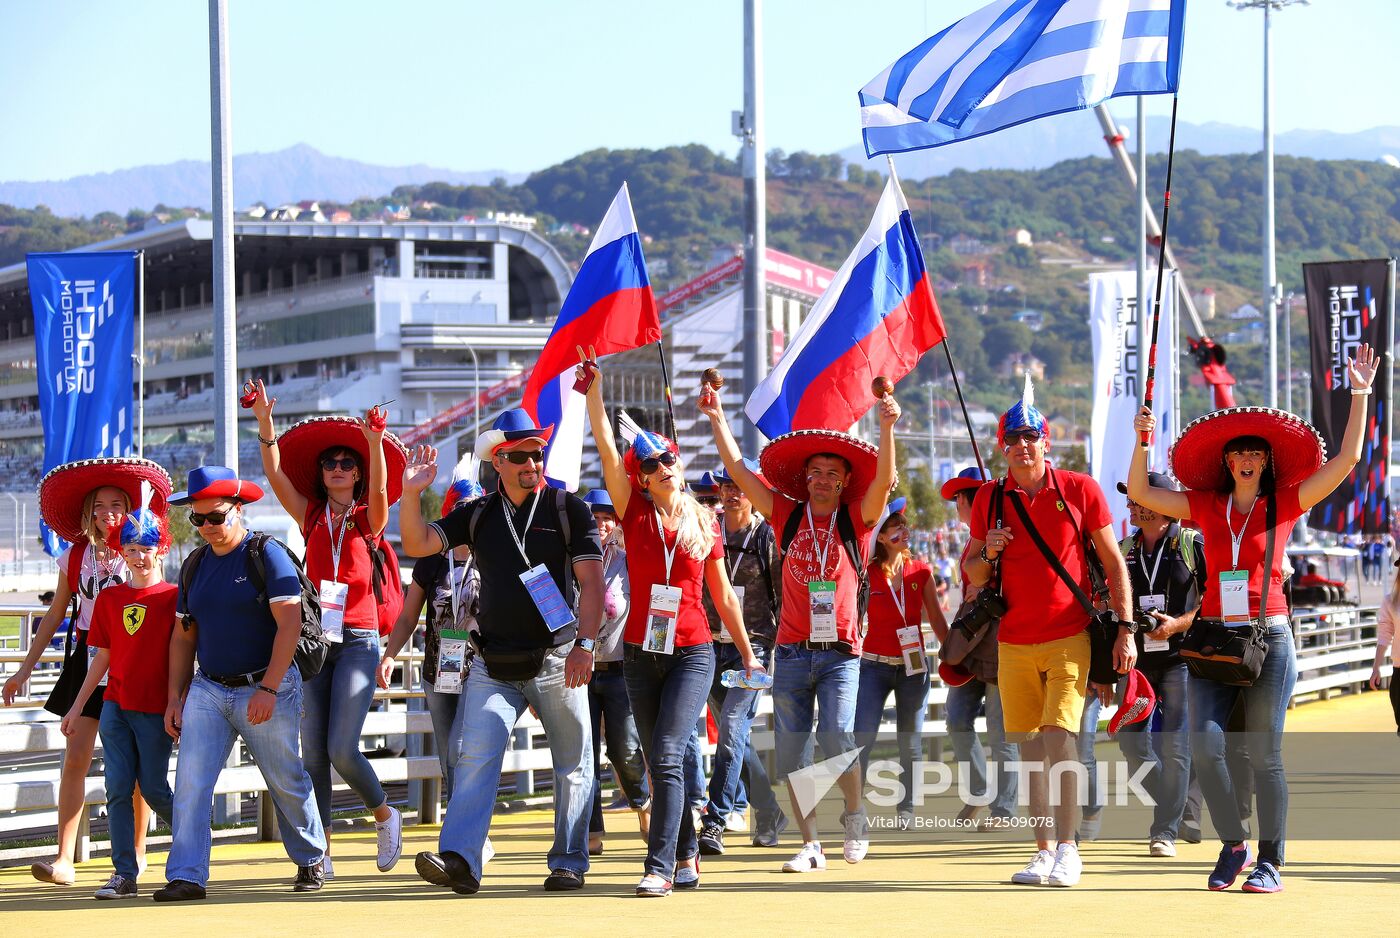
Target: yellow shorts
1044,684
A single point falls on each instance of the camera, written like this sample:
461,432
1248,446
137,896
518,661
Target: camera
988,606
1146,622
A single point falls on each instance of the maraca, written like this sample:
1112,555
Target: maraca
246,401
881,387
712,378
379,417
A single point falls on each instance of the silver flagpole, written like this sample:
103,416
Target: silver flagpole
221,164
140,353
755,348
1143,304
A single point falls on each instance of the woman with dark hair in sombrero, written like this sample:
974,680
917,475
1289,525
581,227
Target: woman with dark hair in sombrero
82,502
674,552
1241,466
337,476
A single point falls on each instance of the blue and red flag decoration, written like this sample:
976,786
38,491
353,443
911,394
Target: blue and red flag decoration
609,307
1016,60
84,334
877,317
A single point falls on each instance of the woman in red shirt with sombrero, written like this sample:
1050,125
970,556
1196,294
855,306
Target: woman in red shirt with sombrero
337,476
1233,463
82,502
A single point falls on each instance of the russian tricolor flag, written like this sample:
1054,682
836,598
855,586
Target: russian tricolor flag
609,307
877,317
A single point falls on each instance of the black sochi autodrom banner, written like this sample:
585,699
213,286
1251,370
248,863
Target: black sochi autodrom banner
1351,303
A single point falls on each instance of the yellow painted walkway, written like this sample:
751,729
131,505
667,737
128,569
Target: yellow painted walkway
957,886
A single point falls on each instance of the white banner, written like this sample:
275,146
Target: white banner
1117,391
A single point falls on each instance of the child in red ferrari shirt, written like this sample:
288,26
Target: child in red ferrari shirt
131,626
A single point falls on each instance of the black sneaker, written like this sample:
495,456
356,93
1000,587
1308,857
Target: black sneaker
118,887
447,869
712,838
309,878
178,890
562,880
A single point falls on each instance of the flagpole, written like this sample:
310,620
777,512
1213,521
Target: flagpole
1145,440
666,382
947,351
141,353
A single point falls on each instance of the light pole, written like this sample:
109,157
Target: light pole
476,380
932,432
1271,286
16,504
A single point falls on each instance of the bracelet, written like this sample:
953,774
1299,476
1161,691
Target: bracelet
266,689
985,558
271,442
1356,393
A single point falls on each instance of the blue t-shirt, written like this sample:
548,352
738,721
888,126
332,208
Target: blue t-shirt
236,629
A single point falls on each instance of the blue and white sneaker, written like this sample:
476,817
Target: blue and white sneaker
1228,867
1264,878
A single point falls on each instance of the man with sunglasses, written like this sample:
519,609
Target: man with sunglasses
246,685
533,543
1043,642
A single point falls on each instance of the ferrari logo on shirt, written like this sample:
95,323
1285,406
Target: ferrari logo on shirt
132,617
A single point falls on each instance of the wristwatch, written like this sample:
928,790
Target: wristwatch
587,644
1130,624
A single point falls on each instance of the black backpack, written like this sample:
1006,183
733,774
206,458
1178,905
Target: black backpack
312,647
847,531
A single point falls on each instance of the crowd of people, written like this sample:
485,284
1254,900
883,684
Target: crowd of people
619,617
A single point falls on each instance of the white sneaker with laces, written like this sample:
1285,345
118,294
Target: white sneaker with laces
327,871
857,836
1037,871
1161,847
1067,866
487,852
389,835
736,821
809,858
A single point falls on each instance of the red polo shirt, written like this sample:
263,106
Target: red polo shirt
881,637
1208,513
356,565
1040,606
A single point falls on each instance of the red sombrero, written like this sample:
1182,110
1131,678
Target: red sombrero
302,445
784,461
1197,455
63,488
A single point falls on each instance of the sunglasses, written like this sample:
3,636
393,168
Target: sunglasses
216,518
649,466
1025,436
344,464
521,457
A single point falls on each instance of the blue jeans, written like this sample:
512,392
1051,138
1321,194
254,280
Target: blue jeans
214,717
877,680
135,747
668,695
1167,749
962,706
1265,704
813,687
612,721
336,702
694,767
445,710
734,710
490,711
1088,735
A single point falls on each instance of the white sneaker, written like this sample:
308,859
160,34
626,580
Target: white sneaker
1067,866
1161,847
736,821
487,852
809,858
327,871
1037,871
857,835
389,834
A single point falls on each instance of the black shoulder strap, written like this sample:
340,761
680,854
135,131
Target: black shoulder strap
790,527
257,564
1049,555
561,505
478,509
761,548
847,529
188,569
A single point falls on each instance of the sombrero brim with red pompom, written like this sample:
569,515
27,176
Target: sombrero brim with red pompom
63,489
784,462
303,443
1197,456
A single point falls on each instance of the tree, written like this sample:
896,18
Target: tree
1005,338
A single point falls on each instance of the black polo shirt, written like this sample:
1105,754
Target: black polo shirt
1174,579
508,619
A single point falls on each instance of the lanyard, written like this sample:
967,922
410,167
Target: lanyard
337,542
897,594
1152,574
753,528
830,535
670,552
509,510
1236,539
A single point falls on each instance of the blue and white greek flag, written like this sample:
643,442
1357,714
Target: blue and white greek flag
1015,60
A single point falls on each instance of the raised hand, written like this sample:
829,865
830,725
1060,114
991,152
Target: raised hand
262,404
1362,369
587,371
1145,421
421,469
373,424
890,410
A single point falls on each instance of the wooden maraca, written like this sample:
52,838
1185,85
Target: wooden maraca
881,387
712,378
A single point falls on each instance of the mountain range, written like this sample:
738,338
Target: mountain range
303,172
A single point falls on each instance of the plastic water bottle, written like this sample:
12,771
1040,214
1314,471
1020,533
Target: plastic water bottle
738,678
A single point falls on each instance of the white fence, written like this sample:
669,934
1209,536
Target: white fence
1335,651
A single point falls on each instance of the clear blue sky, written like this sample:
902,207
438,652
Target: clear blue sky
95,85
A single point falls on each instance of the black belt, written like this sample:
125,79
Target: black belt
599,666
844,647
237,680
